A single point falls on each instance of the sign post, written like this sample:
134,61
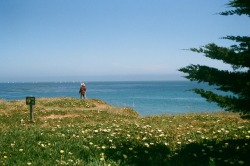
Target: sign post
30,100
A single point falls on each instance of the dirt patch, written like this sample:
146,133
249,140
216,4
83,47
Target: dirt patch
53,116
100,104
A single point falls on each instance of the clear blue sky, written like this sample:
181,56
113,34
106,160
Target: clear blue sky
89,40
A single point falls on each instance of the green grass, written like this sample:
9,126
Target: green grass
69,131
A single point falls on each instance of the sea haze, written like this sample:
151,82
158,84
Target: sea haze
146,97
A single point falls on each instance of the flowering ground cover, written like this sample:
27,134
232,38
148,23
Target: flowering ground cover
70,131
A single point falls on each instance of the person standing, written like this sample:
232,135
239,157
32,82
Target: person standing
82,91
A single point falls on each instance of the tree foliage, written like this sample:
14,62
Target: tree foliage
235,81
241,7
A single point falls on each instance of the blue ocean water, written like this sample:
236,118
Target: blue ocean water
146,97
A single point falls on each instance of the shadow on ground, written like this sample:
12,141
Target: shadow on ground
208,153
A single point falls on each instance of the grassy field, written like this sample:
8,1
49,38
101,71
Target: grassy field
69,131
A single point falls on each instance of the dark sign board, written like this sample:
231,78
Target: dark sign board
30,100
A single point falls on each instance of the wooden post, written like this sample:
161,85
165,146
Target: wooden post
31,101
31,113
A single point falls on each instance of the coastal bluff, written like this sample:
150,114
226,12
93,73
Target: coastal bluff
65,107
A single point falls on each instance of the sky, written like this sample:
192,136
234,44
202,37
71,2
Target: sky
110,40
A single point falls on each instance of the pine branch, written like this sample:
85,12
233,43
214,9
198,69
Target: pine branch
230,103
242,7
236,82
234,56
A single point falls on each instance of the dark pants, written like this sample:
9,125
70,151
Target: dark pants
83,95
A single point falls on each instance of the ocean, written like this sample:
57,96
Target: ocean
146,97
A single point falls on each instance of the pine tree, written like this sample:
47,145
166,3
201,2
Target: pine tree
235,81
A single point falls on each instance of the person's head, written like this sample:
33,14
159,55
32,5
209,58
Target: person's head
82,84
